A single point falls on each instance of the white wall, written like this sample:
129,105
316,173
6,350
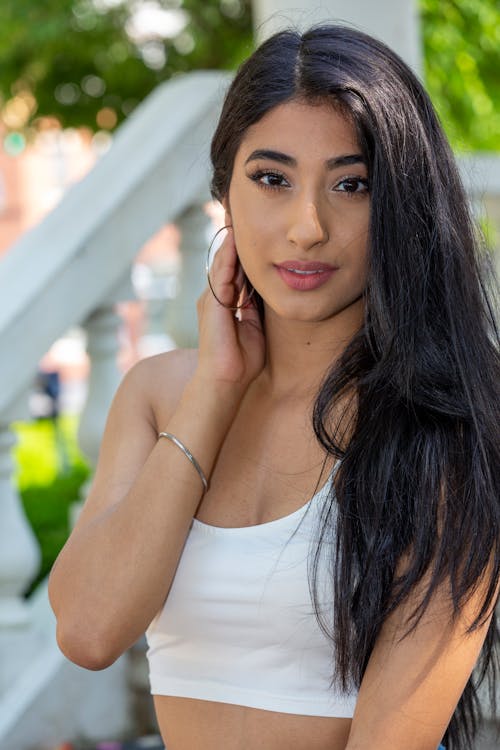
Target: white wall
393,21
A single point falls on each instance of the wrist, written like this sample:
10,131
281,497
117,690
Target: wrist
201,421
206,408
219,395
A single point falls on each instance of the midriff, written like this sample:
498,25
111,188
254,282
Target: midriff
192,724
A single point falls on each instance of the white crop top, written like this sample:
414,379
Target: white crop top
238,625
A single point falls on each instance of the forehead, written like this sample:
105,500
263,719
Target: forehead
302,130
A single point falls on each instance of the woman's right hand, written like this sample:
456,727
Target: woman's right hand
231,349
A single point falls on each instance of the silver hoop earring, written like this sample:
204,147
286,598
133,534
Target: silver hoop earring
207,269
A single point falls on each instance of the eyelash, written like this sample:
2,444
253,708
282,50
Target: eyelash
256,176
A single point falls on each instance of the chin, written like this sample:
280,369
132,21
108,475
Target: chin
303,313
317,311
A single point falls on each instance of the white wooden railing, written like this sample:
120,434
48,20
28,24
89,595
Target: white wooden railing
71,270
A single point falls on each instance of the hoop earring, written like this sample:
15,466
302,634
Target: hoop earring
207,269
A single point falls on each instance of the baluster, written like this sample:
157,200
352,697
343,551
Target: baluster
19,550
197,230
102,328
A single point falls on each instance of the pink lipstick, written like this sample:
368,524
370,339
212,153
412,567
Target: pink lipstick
305,276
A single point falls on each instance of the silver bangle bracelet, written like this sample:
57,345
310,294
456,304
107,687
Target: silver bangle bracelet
189,455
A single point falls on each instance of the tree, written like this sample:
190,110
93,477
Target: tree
72,59
462,62
82,61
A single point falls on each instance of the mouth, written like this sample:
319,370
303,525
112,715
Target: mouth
301,266
305,276
303,273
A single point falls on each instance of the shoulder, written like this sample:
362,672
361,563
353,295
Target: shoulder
160,380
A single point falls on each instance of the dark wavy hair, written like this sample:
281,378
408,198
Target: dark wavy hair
419,478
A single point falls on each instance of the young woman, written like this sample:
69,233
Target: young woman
304,512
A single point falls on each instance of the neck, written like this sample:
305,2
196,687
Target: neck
298,354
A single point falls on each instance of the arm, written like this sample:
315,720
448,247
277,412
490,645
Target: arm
114,572
116,568
410,689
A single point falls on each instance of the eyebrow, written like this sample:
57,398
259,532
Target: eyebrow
332,163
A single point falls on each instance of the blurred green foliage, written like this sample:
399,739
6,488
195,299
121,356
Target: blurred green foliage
462,69
49,473
75,58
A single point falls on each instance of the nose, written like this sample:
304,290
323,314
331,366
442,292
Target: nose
306,228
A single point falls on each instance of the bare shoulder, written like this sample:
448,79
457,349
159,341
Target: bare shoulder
145,400
161,379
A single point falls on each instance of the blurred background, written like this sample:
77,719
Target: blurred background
106,113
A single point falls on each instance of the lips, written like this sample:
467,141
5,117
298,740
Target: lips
305,276
306,266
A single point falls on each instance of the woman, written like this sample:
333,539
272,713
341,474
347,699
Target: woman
363,361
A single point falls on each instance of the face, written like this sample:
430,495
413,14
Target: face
299,205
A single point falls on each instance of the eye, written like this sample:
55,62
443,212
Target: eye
352,185
274,179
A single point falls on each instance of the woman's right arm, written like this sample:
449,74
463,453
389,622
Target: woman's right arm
115,571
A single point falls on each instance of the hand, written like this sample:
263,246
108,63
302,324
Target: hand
231,349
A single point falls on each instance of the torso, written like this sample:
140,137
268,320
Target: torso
268,467
188,724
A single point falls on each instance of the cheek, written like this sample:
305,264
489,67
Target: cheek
246,245
352,238
355,257
362,259
254,235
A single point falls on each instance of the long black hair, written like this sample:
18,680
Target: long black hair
419,478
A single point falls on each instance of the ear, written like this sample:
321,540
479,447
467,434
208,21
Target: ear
227,211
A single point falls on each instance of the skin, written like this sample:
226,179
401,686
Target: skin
303,212
312,216
242,402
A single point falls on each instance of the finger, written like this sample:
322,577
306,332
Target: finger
225,256
249,312
240,283
224,273
200,302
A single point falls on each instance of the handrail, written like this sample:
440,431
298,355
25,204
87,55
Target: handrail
64,268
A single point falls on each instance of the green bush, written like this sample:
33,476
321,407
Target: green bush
50,471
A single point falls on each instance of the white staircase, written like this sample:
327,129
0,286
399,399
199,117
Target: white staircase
69,271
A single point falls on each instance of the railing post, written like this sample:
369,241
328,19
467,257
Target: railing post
19,551
197,230
102,328
156,285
